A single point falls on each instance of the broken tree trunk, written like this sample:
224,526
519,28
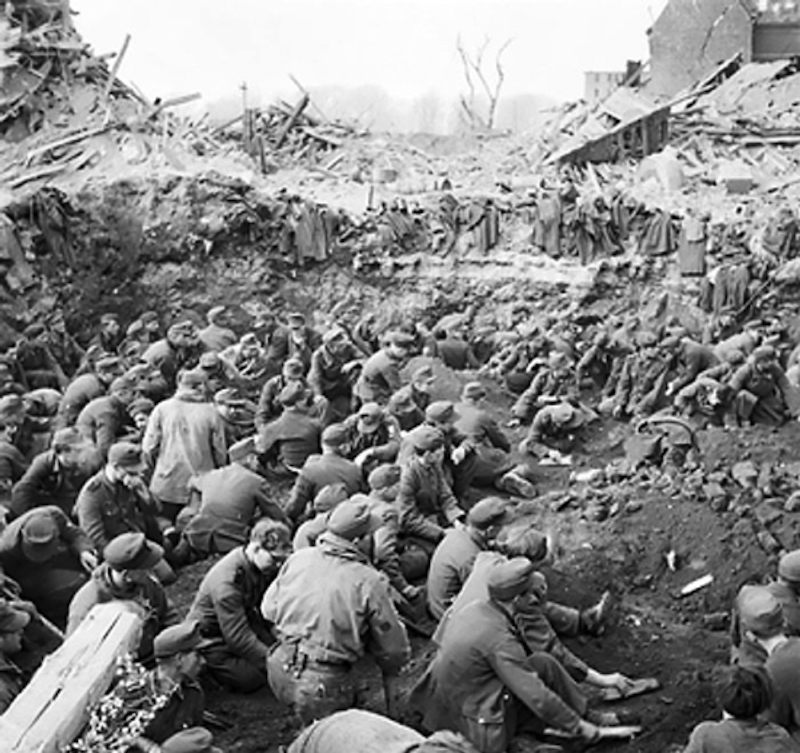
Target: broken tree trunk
51,711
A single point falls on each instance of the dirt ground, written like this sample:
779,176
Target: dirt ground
652,631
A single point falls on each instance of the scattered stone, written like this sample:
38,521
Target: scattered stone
745,473
716,621
767,515
633,506
768,542
793,503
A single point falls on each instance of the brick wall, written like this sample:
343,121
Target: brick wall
691,37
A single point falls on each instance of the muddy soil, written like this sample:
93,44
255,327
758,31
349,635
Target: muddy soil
652,630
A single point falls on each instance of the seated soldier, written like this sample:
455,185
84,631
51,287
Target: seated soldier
373,437
13,466
49,557
425,500
56,476
231,498
486,683
175,723
409,403
12,624
227,607
127,574
319,471
325,500
288,441
744,693
761,392
554,431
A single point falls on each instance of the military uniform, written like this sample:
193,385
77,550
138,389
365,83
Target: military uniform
105,509
104,420
216,338
379,379
226,606
291,439
11,682
48,482
329,606
451,565
149,594
78,394
317,472
51,584
231,497
739,736
426,503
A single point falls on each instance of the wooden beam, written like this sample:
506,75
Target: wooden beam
53,708
297,111
114,70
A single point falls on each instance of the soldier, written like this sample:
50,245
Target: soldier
409,403
49,558
12,624
179,349
288,441
85,388
269,404
331,373
227,603
319,471
184,436
105,419
380,377
761,392
328,607
373,437
127,574
109,335
216,336
484,681
230,500
116,501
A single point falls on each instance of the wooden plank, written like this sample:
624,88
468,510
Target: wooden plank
114,70
53,708
292,119
73,138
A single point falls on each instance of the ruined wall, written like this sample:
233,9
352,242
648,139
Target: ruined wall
691,37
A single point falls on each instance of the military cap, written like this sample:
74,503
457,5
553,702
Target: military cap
192,740
759,611
329,497
370,413
134,328
384,476
441,411
64,438
292,393
39,535
228,396
107,363
353,518
178,639
125,455
108,318
423,373
250,338
334,333
425,438
214,313
149,316
566,416
141,406
11,406
334,435
522,541
295,317
209,360
192,379
789,566
474,391
734,357
120,384
132,551
402,402
241,449
490,511
510,578
11,618
400,339
764,353
34,330
294,368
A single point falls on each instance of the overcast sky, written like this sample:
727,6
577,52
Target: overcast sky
408,47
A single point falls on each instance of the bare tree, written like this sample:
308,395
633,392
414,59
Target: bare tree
477,77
